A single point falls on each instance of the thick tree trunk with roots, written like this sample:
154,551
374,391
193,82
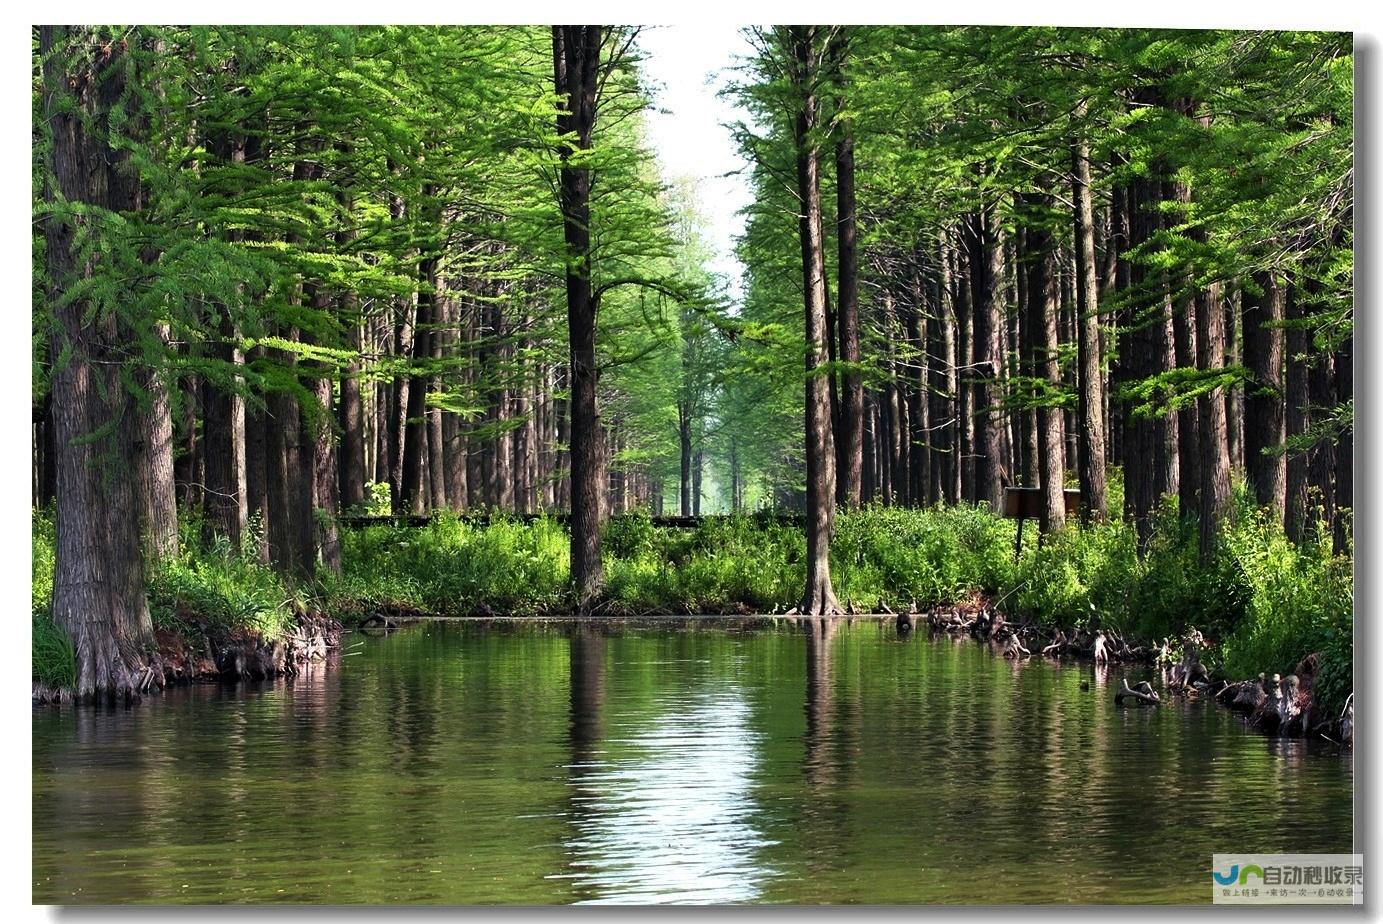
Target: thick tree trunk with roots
819,598
98,583
576,69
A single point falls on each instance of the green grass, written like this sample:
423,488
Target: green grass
1264,601
221,587
53,662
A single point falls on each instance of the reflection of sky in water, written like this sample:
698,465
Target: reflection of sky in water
663,813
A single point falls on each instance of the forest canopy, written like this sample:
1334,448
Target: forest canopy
286,275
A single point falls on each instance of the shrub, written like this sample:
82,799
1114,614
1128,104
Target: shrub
43,543
1300,600
226,587
1266,601
54,664
453,567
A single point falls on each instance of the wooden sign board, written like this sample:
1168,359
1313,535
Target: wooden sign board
1026,503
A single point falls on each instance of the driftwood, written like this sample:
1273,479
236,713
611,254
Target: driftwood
1291,706
1058,643
1189,672
1143,694
1268,713
1244,696
1013,648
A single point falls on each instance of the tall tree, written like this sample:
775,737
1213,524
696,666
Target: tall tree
849,439
576,74
1094,497
92,186
806,47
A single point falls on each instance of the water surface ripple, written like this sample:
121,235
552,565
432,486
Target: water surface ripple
453,763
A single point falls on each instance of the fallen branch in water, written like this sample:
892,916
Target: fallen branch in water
1143,694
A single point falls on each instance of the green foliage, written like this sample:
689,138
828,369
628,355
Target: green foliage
736,564
453,567
223,587
1264,602
932,556
54,664
1302,600
377,501
44,560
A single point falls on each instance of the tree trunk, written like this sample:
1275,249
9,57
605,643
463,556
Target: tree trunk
819,598
1094,498
436,441
1044,296
453,439
1344,451
413,492
965,371
684,443
1298,419
851,433
98,582
158,521
1214,432
222,487
1321,464
1149,352
289,516
352,414
698,468
576,70
985,274
1265,418
404,312
326,488
919,435
256,470
1234,358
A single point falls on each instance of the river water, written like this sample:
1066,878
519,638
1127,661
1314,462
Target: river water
537,763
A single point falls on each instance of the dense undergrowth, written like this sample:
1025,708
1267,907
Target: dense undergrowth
1264,602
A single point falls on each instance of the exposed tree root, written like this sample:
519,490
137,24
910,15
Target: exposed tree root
173,659
1143,694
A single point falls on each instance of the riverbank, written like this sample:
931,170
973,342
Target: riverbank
528,761
201,653
1262,605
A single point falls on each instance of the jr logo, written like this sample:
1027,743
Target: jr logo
1234,874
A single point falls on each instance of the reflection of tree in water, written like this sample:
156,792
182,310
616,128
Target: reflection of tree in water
821,708
587,694
660,806
832,730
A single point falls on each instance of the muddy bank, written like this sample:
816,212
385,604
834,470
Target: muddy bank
206,653
1273,704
